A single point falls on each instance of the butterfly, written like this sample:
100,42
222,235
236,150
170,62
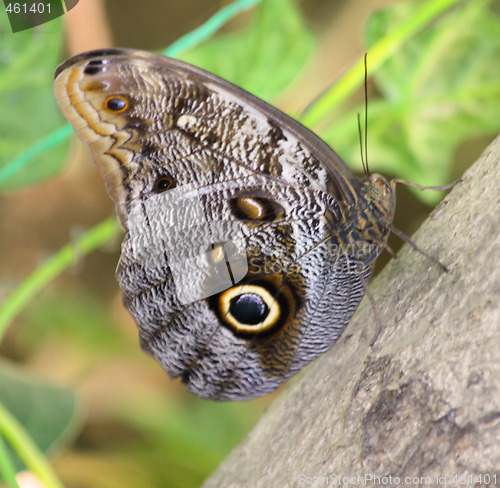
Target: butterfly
248,242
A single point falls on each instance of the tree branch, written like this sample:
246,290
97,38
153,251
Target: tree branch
424,400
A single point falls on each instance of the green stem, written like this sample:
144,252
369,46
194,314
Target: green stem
378,54
52,267
14,165
26,449
6,467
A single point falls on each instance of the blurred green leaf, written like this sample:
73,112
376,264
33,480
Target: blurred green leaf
263,58
72,315
439,89
49,413
29,112
191,435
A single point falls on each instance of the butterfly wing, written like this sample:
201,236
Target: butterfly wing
234,265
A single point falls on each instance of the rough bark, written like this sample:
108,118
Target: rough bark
424,400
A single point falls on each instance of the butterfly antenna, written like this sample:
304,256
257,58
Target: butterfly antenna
363,134
366,114
365,169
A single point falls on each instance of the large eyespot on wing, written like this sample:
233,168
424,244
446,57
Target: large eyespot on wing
253,310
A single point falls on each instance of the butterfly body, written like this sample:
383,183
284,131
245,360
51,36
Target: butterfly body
247,238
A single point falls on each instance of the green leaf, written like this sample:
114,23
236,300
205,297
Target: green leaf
263,58
29,112
439,89
49,413
72,315
187,436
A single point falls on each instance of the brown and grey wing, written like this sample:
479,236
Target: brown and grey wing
231,267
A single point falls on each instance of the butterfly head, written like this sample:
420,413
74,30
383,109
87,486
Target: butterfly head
380,194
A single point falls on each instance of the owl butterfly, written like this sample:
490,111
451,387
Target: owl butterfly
248,241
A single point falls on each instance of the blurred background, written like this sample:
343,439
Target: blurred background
123,422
